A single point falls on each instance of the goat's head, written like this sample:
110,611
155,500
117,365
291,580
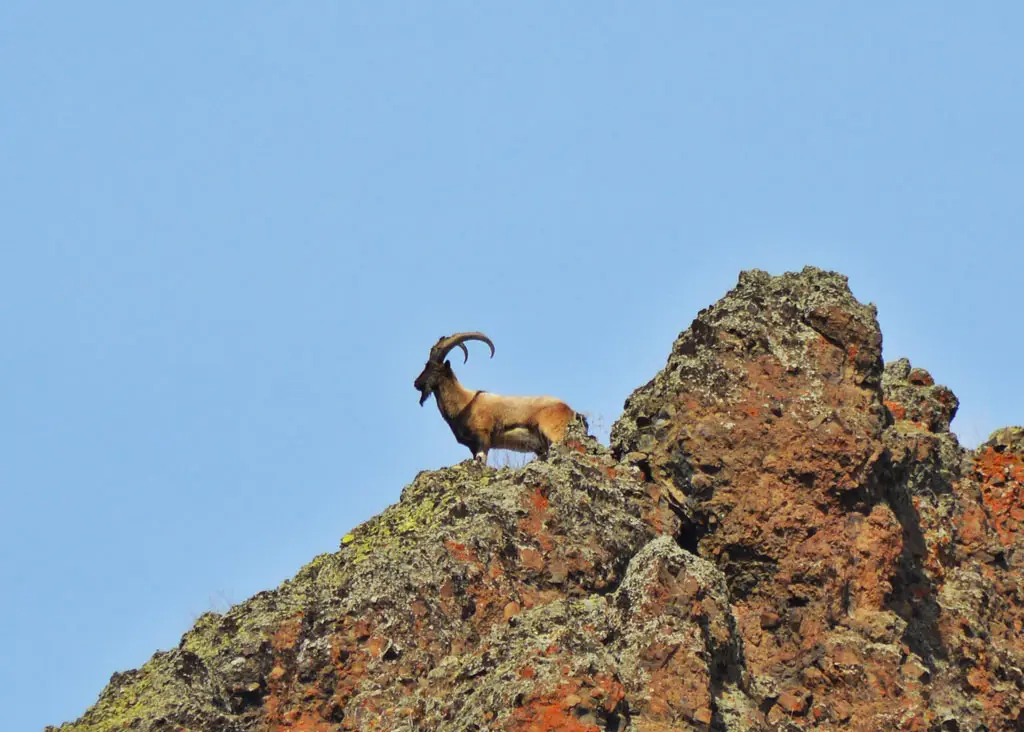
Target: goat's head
437,369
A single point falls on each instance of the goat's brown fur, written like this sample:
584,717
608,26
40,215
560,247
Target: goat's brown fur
481,420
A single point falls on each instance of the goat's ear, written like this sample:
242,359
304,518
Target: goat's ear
448,367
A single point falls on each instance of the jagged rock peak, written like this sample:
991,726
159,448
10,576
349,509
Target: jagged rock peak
784,320
911,395
1006,439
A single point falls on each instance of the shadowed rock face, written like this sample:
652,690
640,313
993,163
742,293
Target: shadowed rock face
784,535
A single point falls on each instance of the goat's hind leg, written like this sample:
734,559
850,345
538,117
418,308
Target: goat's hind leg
543,445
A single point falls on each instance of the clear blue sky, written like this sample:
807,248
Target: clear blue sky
231,232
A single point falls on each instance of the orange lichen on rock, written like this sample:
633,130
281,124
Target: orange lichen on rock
287,633
574,705
898,411
1001,478
460,552
537,507
547,715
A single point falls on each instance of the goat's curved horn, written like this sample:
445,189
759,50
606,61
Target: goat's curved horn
443,346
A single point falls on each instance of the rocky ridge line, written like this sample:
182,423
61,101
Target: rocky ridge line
783,535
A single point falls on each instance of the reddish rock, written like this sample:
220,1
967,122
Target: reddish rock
531,559
773,400
920,377
794,702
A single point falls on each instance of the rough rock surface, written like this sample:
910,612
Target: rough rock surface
783,535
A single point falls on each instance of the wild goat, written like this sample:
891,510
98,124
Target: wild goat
482,421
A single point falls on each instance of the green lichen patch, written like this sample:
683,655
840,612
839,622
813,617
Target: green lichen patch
424,505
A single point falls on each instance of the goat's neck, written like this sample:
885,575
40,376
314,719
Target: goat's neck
452,397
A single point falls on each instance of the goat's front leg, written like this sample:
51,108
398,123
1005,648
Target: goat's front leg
480,448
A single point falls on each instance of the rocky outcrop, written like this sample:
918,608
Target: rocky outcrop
766,428
783,535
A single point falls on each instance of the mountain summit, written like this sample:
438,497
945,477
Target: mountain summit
784,534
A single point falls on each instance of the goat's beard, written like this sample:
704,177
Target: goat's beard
423,396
